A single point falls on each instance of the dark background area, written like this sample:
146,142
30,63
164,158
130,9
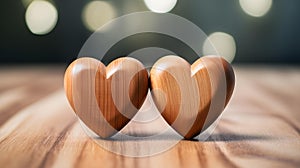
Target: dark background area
273,38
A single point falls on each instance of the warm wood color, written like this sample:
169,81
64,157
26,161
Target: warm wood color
260,126
191,97
106,98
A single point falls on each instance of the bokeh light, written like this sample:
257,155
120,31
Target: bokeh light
256,8
160,6
41,17
26,3
223,43
96,14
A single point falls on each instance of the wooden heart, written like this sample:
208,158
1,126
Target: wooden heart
106,98
193,95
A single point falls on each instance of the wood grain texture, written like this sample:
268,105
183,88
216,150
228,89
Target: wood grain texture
260,127
106,98
191,97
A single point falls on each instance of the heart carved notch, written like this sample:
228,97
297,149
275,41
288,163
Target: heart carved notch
193,95
106,98
189,97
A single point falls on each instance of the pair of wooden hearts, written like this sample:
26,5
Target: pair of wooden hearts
189,97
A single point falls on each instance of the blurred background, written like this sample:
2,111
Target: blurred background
244,31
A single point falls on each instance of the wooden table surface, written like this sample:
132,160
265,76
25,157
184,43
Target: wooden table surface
259,128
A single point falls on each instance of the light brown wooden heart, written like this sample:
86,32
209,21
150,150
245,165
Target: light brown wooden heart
191,97
106,98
